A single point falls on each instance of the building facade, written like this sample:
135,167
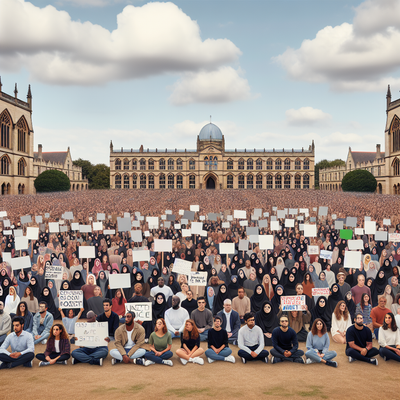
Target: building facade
211,166
384,165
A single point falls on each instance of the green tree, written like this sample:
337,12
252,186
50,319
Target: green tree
52,181
86,166
359,180
325,164
99,177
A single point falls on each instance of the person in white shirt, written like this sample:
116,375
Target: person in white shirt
183,293
341,321
389,339
161,288
175,318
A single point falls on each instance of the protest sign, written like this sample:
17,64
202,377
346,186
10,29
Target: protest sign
87,251
20,262
21,243
163,245
141,255
266,242
97,226
197,278
325,254
346,234
394,237
54,272
320,292
143,311
32,233
352,259
293,303
71,299
310,230
54,227
355,244
182,266
227,248
91,334
239,214
313,250
119,281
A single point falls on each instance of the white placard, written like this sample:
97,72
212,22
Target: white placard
85,228
182,266
366,218
162,245
127,215
186,232
393,237
54,227
195,208
303,210
381,235
281,214
146,233
254,238
293,211
71,299
338,225
181,212
91,334
87,251
289,223
177,226
243,245
140,217
6,223
153,222
168,212
239,214
202,218
141,255
75,226
7,232
370,227
3,214
21,243
6,257
355,244
274,208
244,223
227,248
266,214
313,250
300,218
325,254
275,226
203,234
386,221
266,242
135,224
137,236
196,228
352,259
54,272
32,233
68,215
359,231
229,217
310,230
143,311
101,216
26,219
18,233
184,221
109,231
97,226
197,278
20,262
163,217
226,225
119,281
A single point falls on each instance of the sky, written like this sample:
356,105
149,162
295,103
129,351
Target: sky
270,73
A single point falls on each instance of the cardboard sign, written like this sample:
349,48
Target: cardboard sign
352,259
137,236
135,224
310,230
109,231
189,215
293,303
87,251
359,231
394,237
355,244
182,266
243,222
143,311
141,255
124,224
101,216
197,278
195,208
177,226
313,250
320,292
323,211
229,218
21,243
351,222
289,223
386,221
370,227
266,242
239,214
275,226
263,223
186,232
227,248
71,299
68,215
18,233
32,233
97,226
20,262
161,245
381,235
85,228
54,227
119,281
338,225
243,245
54,272
26,219
75,226
325,254
196,228
91,334
226,225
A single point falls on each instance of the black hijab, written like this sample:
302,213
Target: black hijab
219,299
257,300
266,321
159,309
77,283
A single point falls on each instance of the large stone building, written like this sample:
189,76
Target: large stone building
19,164
384,165
211,166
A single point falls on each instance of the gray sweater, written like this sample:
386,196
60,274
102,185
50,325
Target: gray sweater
202,319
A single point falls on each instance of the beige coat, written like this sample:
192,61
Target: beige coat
137,336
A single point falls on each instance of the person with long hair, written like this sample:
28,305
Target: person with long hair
22,311
118,305
160,342
318,345
58,349
31,300
190,350
389,339
341,321
364,308
11,301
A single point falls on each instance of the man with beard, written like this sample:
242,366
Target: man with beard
161,288
139,298
175,318
5,323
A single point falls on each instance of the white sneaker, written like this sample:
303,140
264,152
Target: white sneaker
113,361
148,362
351,359
146,340
309,361
230,359
168,362
183,361
44,341
101,362
198,360
43,363
72,360
210,360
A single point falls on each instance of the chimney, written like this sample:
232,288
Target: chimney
378,151
39,151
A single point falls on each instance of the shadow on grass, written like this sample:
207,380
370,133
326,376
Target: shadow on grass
186,392
311,391
125,389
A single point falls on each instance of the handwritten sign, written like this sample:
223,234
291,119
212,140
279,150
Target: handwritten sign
198,278
143,311
394,237
91,334
320,292
312,250
54,272
325,254
293,303
182,266
71,299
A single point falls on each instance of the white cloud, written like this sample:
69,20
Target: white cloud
351,57
221,86
154,39
306,116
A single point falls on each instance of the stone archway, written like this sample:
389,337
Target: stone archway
210,183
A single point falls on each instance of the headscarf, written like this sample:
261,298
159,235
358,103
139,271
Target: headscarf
266,321
257,300
233,286
276,300
333,299
219,299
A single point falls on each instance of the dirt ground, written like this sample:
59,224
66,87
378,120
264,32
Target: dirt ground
223,380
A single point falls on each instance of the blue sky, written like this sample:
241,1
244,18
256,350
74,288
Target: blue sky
272,74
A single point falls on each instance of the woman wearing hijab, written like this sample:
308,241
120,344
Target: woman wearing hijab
53,290
276,300
102,282
48,298
210,297
77,281
233,287
378,287
159,307
23,282
267,284
258,299
219,299
290,286
5,289
241,277
351,306
145,285
320,311
333,298
224,275
173,284
267,320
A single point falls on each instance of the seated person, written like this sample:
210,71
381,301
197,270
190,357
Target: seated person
267,321
190,350
241,304
318,345
160,342
58,349
285,343
5,323
109,316
297,321
138,297
175,318
251,341
230,321
218,345
42,323
22,347
203,318
389,339
378,314
90,355
359,342
69,323
341,321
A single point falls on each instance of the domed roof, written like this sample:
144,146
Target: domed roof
210,132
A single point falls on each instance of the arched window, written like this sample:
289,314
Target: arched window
278,181
117,163
179,164
126,181
214,163
306,181
151,164
161,181
151,181
142,164
134,164
126,163
229,164
241,164
162,163
297,181
306,164
396,167
5,165
395,132
192,182
143,181
179,182
192,164
21,167
134,181
22,134
259,164
287,164
171,164
5,122
241,181
206,162
250,163
269,181
21,189
278,164
117,181
250,181
259,181
229,182
297,163
171,181
286,181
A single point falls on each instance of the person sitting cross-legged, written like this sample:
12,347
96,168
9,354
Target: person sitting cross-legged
218,345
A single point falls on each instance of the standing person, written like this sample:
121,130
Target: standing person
241,304
58,348
251,341
378,314
190,350
359,342
230,321
42,323
218,345
5,323
341,321
160,342
203,318
175,318
389,339
69,322
110,317
318,345
129,342
285,344
22,347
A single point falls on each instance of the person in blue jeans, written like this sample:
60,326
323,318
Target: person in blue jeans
218,345
318,345
42,323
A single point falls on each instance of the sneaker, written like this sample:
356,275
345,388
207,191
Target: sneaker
138,361
28,364
275,360
168,362
148,362
235,343
64,362
146,340
384,358
96,361
114,361
331,364
309,361
373,361
230,359
43,363
299,360
183,361
373,335
198,360
351,359
101,362
210,360
5,365
72,360
266,360
44,341
244,361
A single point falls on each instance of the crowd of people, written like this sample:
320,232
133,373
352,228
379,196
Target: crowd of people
241,301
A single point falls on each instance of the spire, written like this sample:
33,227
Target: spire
388,99
388,93
111,146
29,97
16,91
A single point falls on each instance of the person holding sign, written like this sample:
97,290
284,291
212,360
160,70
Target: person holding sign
218,346
190,350
69,322
110,317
